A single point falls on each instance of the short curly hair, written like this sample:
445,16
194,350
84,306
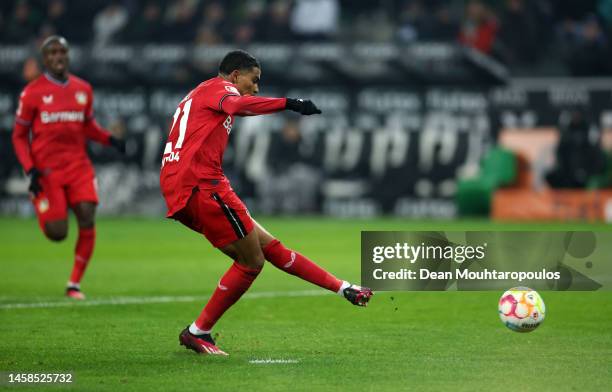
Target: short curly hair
237,59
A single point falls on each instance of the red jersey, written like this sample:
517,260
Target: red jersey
199,133
60,117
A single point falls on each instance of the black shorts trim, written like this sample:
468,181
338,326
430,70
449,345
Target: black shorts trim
231,216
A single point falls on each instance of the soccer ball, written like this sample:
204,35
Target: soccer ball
521,309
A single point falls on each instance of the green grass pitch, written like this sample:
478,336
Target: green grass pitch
403,341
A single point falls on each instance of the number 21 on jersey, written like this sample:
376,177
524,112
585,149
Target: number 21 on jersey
172,154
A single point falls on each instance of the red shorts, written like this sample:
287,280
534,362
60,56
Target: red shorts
215,210
61,189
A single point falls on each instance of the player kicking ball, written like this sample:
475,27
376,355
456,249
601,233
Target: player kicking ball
57,110
199,195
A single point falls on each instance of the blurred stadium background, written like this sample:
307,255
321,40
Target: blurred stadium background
431,109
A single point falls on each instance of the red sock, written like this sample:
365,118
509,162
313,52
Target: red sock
298,265
82,253
232,285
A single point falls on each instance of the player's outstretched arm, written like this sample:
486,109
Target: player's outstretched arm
251,105
21,143
303,106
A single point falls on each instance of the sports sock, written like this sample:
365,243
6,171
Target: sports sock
82,253
193,328
295,264
232,285
344,285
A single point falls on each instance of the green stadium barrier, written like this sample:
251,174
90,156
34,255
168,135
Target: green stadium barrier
603,180
497,169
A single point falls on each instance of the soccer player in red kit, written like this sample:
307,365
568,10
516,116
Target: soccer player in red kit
53,122
199,195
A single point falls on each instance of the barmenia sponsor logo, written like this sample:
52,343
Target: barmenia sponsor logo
52,117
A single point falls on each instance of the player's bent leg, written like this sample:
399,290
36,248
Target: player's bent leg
51,209
85,214
296,264
247,251
56,230
248,263
263,235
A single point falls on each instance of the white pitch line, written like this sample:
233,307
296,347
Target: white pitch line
156,300
268,361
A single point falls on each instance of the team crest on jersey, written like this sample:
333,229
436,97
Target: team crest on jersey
43,205
232,89
81,98
47,99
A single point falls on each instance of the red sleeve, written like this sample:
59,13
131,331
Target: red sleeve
21,132
21,143
89,111
93,130
224,97
217,93
26,111
251,105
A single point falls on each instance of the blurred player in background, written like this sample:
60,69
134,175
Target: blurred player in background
199,195
53,122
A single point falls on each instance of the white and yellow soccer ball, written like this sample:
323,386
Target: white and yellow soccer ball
521,309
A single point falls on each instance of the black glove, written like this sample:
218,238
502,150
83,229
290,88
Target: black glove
119,144
35,186
305,107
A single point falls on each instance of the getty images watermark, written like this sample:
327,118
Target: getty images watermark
449,253
484,260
